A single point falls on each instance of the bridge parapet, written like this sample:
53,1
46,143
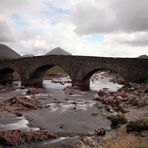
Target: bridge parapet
79,68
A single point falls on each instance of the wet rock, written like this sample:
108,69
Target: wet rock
70,93
142,101
34,136
146,90
62,126
101,93
11,137
100,132
19,114
24,102
133,102
66,99
94,114
75,108
22,87
139,101
33,91
121,108
139,125
117,120
75,103
109,108
91,133
119,98
88,141
16,137
18,104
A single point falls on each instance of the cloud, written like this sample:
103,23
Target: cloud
6,34
135,39
82,27
20,6
107,16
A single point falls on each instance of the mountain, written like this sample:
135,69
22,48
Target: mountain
143,56
58,51
7,53
28,55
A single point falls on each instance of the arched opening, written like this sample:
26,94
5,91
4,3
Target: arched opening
50,76
104,79
9,76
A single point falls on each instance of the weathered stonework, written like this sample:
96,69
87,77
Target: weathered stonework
79,68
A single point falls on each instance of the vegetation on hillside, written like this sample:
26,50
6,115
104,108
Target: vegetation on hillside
2,58
55,71
6,51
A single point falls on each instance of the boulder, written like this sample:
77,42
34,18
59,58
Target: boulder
16,137
100,132
88,141
33,91
11,137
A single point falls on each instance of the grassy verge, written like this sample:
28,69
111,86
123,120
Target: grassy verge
125,141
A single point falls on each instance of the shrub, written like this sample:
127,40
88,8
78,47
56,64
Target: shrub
118,120
139,125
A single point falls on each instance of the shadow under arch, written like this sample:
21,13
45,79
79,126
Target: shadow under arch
8,75
38,75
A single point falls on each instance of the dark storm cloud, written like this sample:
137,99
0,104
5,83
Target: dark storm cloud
107,16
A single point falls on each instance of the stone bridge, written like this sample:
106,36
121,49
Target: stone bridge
79,68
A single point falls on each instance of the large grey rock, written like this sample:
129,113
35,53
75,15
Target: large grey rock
142,101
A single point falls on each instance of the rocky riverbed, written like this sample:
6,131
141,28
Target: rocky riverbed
59,116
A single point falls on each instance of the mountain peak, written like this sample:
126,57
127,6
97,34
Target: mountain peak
143,56
7,52
58,51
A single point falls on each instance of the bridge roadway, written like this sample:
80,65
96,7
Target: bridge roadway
79,68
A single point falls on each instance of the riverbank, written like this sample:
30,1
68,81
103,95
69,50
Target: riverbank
76,119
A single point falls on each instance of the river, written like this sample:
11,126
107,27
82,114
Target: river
69,111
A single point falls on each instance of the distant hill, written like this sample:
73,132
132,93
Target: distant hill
58,51
7,53
143,56
28,55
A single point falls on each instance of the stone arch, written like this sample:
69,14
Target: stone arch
8,74
36,76
86,78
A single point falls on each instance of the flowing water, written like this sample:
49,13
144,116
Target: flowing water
68,111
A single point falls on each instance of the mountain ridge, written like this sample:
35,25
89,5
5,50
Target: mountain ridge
8,53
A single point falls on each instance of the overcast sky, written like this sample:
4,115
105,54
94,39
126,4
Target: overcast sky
114,28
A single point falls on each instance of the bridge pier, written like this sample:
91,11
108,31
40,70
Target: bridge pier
81,84
32,83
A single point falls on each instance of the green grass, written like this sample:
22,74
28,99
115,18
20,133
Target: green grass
142,146
55,71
